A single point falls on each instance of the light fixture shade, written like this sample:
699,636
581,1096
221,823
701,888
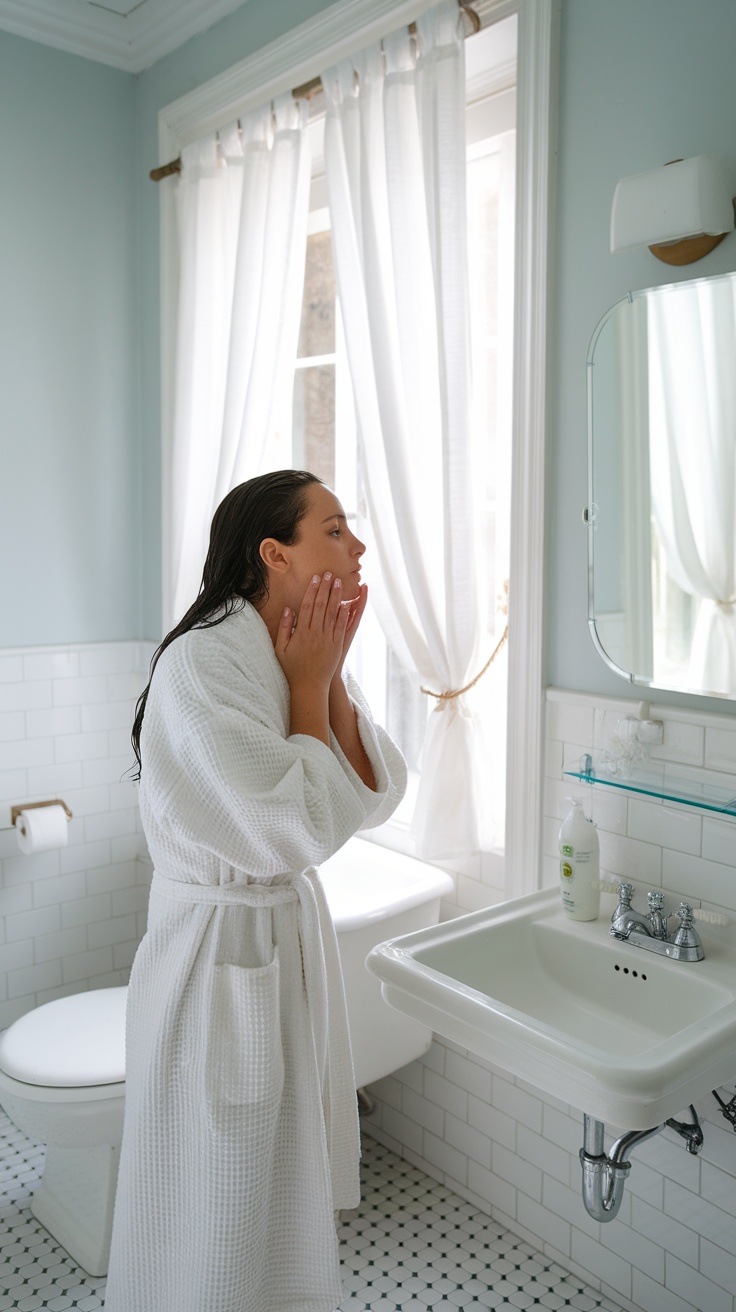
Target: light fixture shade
679,200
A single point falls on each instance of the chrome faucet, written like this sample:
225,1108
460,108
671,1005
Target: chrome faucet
650,932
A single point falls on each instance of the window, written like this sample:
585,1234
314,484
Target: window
299,54
318,430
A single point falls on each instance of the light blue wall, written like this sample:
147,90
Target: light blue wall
69,480
641,82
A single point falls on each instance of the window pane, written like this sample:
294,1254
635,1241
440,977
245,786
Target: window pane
406,711
313,421
317,331
489,208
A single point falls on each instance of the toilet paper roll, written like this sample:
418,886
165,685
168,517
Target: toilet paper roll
42,828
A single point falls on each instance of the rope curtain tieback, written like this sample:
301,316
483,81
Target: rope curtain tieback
458,692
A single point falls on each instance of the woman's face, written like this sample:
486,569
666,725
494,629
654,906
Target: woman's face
324,543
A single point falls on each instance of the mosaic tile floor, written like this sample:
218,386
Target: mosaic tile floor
412,1245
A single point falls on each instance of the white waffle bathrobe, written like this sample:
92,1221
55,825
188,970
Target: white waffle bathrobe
241,1134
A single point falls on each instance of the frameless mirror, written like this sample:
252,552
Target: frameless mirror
662,487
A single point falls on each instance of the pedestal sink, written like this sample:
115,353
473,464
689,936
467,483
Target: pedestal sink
623,1035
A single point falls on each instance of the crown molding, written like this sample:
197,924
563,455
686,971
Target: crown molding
131,35
129,41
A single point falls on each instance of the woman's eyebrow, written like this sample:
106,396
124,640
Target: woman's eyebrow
338,516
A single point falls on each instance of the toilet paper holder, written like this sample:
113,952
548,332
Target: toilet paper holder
15,811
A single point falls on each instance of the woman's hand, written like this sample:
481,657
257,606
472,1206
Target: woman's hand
310,651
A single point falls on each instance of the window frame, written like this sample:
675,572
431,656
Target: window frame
293,60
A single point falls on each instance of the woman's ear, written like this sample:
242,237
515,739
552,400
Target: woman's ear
274,556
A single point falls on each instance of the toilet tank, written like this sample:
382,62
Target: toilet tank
375,894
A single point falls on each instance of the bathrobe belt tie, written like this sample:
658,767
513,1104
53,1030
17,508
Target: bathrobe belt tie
320,956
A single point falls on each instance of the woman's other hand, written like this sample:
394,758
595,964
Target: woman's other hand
343,718
355,610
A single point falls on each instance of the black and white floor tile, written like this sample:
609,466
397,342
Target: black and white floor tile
35,1272
411,1246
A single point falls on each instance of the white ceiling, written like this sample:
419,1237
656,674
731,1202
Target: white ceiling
127,34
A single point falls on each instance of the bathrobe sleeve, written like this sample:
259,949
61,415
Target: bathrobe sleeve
382,754
226,777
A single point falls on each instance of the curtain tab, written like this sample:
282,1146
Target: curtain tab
289,114
442,25
400,52
255,127
203,154
339,83
231,145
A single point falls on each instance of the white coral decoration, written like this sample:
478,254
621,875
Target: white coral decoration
624,751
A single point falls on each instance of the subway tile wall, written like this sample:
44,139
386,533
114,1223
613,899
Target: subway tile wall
510,1149
70,918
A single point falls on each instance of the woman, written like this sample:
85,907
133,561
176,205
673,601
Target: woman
257,760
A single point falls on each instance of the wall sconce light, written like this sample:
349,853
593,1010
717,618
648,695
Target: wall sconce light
681,211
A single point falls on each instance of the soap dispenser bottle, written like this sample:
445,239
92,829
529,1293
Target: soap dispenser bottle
579,864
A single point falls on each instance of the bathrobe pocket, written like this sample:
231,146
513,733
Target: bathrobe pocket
245,1063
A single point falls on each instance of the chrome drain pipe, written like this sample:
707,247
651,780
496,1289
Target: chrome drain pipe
604,1175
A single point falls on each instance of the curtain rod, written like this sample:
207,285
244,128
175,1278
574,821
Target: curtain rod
312,88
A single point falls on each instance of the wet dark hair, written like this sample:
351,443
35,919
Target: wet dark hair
270,506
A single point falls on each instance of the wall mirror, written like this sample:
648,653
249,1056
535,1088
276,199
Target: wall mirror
662,487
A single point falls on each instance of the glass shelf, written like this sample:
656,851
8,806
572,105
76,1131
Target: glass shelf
659,782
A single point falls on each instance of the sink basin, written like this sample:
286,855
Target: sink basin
624,1035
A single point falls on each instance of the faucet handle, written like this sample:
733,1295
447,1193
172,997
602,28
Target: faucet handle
685,912
624,913
656,918
687,937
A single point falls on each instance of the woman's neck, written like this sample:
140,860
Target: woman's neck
270,610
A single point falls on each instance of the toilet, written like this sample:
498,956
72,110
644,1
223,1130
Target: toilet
62,1081
62,1066
374,895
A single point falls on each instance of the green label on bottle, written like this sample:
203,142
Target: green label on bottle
567,849
565,870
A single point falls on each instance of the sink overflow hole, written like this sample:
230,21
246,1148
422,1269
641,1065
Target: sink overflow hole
626,971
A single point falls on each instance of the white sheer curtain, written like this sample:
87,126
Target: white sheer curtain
395,165
242,203
692,409
631,447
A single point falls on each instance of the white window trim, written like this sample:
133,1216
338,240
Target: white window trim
293,60
536,133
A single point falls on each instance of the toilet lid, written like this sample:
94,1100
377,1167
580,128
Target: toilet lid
71,1041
